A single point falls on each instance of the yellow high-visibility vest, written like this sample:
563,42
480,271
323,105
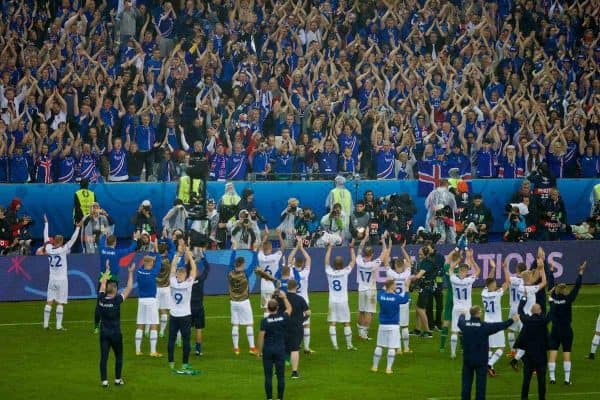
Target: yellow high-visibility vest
86,197
343,197
183,193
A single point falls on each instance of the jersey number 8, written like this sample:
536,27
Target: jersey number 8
336,285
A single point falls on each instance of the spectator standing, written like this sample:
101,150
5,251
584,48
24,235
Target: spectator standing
83,200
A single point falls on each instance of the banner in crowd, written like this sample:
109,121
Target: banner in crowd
121,200
26,278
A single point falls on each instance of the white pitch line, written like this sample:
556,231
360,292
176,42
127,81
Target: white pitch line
515,396
211,317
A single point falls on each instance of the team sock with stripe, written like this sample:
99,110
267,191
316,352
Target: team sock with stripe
153,340
520,354
552,371
163,323
377,356
59,316
47,311
235,336
250,336
333,336
453,343
495,357
595,343
348,335
567,368
511,339
306,338
405,338
138,340
390,358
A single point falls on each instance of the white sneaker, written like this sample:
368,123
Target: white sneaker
119,382
105,384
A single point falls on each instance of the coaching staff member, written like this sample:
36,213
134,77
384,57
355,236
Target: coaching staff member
425,278
295,330
271,343
109,304
534,340
475,350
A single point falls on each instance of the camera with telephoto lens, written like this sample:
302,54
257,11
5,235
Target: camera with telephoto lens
195,208
424,236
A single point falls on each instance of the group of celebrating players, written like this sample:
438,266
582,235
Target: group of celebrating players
171,289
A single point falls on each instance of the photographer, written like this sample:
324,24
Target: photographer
176,217
306,226
144,220
289,216
93,226
514,226
442,225
333,227
399,212
244,232
480,216
372,205
204,226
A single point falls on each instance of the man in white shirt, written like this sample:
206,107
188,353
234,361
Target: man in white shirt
180,312
462,287
514,298
367,268
337,280
58,283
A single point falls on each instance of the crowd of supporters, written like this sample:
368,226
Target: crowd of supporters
119,90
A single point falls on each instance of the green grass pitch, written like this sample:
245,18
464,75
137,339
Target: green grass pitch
39,364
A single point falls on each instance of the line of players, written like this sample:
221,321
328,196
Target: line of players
155,288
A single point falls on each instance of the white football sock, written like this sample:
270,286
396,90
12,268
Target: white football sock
390,358
348,335
552,370
489,355
59,316
377,356
453,343
138,340
595,343
520,354
511,339
306,338
495,357
163,323
153,340
333,336
235,336
250,336
567,368
47,311
405,338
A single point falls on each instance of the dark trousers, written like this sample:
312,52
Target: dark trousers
148,160
183,325
539,365
277,359
480,372
114,342
437,296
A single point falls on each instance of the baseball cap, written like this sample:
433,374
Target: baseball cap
146,203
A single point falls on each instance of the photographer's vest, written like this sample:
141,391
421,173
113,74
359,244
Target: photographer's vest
230,200
86,197
344,198
187,186
453,182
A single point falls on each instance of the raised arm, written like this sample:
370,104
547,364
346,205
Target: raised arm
46,237
125,293
71,241
506,274
352,257
328,254
472,263
194,268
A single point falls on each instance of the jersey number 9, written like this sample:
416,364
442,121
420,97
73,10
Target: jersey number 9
178,297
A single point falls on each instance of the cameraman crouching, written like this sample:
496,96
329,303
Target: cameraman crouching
244,232
333,227
514,226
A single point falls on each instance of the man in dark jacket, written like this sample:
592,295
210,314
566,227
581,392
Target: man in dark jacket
534,340
480,216
476,346
144,220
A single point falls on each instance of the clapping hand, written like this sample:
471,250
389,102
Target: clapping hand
582,268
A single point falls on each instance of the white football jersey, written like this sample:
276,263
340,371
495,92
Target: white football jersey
57,257
366,273
303,284
515,296
461,290
492,304
181,295
268,263
338,283
529,291
400,278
